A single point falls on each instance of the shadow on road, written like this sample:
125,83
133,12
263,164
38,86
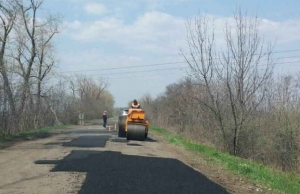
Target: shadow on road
133,144
124,140
112,172
150,140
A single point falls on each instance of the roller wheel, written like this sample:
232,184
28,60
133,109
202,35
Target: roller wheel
121,124
136,132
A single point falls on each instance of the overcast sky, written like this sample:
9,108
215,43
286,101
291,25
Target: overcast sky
103,34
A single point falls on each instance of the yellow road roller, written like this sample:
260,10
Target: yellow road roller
134,125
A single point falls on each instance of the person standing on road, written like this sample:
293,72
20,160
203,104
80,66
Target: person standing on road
104,117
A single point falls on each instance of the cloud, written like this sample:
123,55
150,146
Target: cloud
74,25
152,37
284,31
152,31
163,33
157,4
95,8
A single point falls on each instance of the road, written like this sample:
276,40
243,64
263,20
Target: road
93,160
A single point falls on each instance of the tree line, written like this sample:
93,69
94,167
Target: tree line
230,98
31,94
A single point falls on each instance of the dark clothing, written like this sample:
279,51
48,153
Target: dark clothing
104,117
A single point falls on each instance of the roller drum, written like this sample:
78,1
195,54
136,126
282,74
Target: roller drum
136,132
121,126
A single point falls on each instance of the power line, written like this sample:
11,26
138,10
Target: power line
165,69
151,75
127,67
167,63
142,71
286,51
282,51
290,62
152,70
174,68
290,57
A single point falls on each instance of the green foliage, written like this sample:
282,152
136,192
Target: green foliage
256,172
44,132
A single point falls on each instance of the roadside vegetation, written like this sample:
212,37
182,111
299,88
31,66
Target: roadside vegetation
32,94
231,107
262,175
31,134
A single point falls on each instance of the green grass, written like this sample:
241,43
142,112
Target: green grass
44,132
256,172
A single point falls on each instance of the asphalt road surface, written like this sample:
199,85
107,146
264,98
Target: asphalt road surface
93,160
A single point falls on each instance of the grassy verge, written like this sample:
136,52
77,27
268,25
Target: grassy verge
44,132
256,172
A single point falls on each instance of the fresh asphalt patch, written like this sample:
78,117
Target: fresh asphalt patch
113,172
88,141
119,140
89,131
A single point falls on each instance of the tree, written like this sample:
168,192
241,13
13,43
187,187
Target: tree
45,56
33,55
92,97
27,44
8,14
235,81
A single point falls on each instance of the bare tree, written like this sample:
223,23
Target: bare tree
91,95
8,14
146,104
286,128
234,80
26,40
45,56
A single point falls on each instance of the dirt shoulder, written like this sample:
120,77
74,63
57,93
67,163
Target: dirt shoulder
33,137
19,173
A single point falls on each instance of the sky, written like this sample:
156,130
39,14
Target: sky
135,44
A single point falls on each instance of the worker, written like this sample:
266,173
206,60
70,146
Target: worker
135,104
104,117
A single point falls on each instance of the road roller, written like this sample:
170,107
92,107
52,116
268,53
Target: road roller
134,125
122,122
